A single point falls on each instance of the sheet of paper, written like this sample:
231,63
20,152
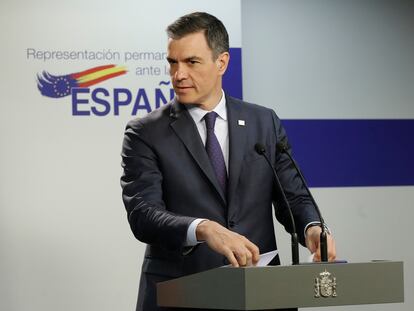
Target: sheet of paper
264,259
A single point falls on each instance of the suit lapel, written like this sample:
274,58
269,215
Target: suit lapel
237,148
184,127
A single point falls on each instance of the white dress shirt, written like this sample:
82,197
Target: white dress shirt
221,128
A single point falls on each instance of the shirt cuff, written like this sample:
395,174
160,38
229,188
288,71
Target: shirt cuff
191,232
315,223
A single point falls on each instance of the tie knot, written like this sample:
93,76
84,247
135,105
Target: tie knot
210,119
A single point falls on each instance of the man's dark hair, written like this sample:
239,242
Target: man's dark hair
214,30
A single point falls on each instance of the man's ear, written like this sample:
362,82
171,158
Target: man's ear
222,62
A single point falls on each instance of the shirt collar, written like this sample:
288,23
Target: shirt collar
198,114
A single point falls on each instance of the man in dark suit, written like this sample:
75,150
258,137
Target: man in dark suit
194,188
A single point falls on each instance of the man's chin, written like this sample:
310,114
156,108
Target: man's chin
186,100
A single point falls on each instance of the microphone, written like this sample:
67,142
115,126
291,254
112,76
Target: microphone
260,149
282,147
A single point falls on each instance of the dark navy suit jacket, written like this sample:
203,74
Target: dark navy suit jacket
168,182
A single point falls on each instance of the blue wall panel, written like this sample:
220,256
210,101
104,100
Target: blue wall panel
345,153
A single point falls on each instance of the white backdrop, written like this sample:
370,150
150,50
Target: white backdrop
65,243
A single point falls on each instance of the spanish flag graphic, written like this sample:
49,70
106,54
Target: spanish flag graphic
61,86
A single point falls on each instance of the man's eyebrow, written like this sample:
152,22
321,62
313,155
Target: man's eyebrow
190,58
193,58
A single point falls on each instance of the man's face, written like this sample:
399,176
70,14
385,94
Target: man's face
195,76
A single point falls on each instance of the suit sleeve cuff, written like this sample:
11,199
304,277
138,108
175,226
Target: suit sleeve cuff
191,232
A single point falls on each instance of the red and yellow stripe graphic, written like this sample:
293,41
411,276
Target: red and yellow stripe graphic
98,74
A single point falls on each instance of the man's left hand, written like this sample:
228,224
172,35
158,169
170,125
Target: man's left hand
313,243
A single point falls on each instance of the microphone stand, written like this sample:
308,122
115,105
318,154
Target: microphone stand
260,149
323,236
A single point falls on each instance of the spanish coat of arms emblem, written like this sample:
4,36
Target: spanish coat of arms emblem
325,285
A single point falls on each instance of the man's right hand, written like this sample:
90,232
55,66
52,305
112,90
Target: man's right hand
238,249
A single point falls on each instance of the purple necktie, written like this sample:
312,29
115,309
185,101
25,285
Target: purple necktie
214,151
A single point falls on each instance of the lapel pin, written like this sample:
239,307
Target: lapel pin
242,122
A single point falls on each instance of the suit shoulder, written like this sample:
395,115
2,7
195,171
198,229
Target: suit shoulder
151,120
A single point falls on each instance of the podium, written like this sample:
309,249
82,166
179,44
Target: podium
277,287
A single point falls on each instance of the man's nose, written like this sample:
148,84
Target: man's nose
181,73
